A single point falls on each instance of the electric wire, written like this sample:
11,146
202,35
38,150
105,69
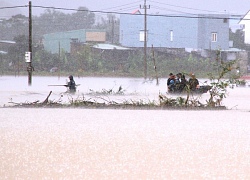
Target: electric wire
160,8
120,6
234,17
184,7
13,7
111,12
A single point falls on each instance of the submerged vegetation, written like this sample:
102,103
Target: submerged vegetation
227,76
120,91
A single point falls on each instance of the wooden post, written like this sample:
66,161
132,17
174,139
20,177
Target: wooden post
145,37
59,57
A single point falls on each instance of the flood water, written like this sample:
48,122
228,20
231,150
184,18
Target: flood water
76,143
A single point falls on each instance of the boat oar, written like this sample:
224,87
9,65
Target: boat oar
59,85
64,85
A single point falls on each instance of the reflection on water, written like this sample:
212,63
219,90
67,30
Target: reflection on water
120,144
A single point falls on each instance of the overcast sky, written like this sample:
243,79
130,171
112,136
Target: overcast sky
127,6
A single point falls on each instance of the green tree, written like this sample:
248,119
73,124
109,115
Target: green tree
226,76
56,21
237,38
16,52
111,25
44,61
15,26
82,19
49,22
85,59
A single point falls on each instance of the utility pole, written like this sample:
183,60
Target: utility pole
30,68
112,21
112,30
145,7
59,63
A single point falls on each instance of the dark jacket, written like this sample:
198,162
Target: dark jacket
72,85
193,82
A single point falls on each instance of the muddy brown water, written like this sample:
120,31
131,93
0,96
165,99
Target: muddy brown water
76,143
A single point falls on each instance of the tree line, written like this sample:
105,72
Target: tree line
86,62
52,21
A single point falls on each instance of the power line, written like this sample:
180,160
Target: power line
184,7
12,7
121,5
160,8
235,17
120,13
127,8
101,11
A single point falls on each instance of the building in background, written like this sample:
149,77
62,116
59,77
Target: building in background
62,40
245,24
210,31
5,45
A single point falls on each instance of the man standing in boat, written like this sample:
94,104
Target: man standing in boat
193,82
71,84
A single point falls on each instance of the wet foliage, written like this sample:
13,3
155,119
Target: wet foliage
120,91
37,103
103,102
227,76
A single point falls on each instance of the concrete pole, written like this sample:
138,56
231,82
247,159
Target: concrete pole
30,68
145,40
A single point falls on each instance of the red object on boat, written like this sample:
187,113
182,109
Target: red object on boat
245,77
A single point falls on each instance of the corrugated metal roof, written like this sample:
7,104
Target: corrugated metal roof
137,11
3,52
245,18
109,46
9,42
233,50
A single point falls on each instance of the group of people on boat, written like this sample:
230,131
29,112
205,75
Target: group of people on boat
177,83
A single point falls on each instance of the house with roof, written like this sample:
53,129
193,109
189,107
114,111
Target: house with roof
245,24
4,46
115,54
62,40
210,31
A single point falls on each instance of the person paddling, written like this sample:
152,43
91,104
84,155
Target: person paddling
71,84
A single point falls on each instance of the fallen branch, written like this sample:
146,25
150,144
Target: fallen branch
47,99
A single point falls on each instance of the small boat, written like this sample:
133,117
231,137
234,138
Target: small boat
199,90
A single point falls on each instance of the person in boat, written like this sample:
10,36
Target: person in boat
169,79
193,82
171,82
71,84
180,82
183,78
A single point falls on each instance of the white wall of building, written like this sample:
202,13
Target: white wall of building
245,22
